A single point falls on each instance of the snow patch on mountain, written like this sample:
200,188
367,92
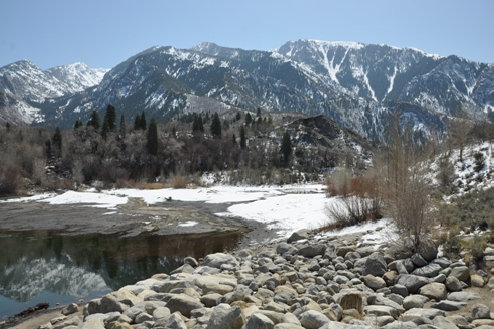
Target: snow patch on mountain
77,76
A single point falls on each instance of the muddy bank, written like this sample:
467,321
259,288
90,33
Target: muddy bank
130,219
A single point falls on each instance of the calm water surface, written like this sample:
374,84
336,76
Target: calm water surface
48,267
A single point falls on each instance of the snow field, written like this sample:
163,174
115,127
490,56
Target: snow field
286,209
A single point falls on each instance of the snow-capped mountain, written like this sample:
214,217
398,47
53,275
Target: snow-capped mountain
355,84
23,85
77,76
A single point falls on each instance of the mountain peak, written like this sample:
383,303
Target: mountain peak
21,64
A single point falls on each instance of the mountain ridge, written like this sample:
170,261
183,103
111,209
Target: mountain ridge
358,85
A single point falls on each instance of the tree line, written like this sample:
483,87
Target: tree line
116,153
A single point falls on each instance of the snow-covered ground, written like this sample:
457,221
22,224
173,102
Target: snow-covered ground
286,209
376,233
466,178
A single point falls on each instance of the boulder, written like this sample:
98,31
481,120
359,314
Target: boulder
160,313
449,305
175,321
489,261
430,270
259,321
109,303
143,317
70,309
418,260
459,320
343,250
299,235
226,317
284,248
434,290
287,326
490,283
374,282
444,262
312,250
443,323
390,277
414,301
334,312
461,273
351,301
421,313
428,249
375,264
400,290
191,261
412,282
463,296
313,319
481,311
285,294
401,268
453,284
289,318
183,304
93,323
218,259
381,310
477,280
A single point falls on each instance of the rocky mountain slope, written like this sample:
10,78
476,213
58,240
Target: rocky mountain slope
23,85
355,84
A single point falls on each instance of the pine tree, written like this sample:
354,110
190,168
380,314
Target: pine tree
105,129
152,138
77,124
286,148
137,122
248,119
123,127
57,141
110,117
242,137
143,121
234,139
94,120
197,125
258,112
216,126
49,151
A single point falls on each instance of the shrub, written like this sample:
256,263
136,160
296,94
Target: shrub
471,211
178,181
446,174
352,210
452,241
339,183
360,198
9,180
478,245
479,161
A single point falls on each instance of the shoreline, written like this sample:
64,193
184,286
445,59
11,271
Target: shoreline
341,281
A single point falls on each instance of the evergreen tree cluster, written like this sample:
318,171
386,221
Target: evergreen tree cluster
140,122
197,125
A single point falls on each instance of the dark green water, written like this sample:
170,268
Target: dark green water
48,267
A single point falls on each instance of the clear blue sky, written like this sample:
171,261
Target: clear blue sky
103,33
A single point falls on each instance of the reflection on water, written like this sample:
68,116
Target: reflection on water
47,267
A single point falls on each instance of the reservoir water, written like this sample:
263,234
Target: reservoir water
47,266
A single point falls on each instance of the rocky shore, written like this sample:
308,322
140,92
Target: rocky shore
308,281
